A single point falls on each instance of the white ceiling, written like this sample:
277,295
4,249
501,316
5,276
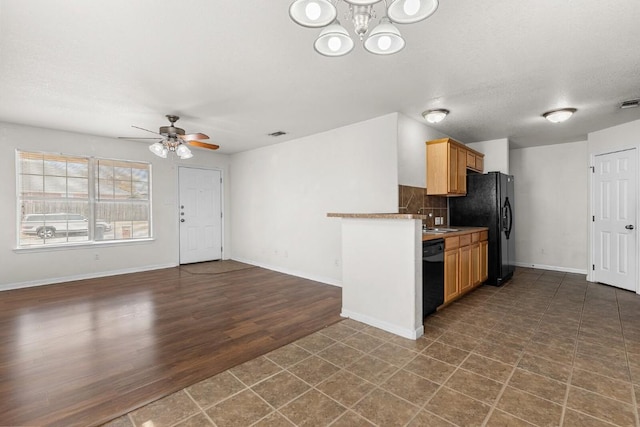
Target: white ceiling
238,70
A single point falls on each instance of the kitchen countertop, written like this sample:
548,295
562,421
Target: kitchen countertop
425,236
463,230
376,215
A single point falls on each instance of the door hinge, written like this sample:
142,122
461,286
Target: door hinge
220,214
220,180
593,169
593,218
593,267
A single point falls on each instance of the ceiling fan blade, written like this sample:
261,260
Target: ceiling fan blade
146,130
203,145
135,137
193,136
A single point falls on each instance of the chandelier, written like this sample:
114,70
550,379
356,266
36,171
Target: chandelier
384,39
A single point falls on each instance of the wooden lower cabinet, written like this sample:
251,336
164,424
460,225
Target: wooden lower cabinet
451,287
466,280
465,264
484,261
475,264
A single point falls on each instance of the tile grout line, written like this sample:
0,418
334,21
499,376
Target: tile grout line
634,398
502,390
200,407
423,407
515,367
314,387
377,386
573,360
131,419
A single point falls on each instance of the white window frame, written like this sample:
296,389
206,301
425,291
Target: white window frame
92,202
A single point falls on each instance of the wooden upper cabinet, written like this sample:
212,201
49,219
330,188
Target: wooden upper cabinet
462,172
447,164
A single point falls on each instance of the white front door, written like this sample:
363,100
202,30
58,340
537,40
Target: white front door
614,221
200,212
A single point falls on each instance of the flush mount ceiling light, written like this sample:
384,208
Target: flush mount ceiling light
559,116
384,39
435,116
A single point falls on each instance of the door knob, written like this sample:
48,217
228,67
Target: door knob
182,220
629,227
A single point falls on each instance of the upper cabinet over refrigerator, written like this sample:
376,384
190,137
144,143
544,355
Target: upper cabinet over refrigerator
447,164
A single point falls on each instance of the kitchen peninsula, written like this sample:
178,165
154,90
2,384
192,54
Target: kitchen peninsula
382,269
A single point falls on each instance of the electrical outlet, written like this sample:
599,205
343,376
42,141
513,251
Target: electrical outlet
438,220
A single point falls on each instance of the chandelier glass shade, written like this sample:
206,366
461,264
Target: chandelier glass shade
334,40
383,39
162,148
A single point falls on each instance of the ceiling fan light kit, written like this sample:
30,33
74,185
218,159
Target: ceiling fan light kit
560,115
384,39
159,150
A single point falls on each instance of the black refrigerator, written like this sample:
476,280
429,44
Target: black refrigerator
489,203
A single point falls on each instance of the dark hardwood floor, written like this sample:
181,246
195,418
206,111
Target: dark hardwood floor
82,353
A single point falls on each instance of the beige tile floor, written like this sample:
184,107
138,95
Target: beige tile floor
547,349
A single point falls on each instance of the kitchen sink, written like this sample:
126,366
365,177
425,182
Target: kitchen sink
439,230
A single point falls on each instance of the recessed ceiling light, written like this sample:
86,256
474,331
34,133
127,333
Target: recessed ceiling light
559,116
435,116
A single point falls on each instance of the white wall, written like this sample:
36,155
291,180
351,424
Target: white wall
496,154
412,151
551,208
282,193
615,138
387,295
25,268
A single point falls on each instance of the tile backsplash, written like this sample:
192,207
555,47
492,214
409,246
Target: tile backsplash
415,200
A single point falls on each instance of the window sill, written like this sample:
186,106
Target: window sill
83,245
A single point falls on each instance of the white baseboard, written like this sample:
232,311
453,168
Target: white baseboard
411,334
551,267
52,281
326,280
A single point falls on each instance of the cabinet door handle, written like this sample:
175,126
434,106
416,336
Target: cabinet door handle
182,220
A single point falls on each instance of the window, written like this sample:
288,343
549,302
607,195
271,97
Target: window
73,199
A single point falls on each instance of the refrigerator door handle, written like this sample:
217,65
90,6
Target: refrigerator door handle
509,214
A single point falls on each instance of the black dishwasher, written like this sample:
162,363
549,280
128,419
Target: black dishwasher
432,275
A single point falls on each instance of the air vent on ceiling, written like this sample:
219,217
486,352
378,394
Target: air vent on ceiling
277,133
632,103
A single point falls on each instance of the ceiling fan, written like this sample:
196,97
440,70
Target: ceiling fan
175,139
